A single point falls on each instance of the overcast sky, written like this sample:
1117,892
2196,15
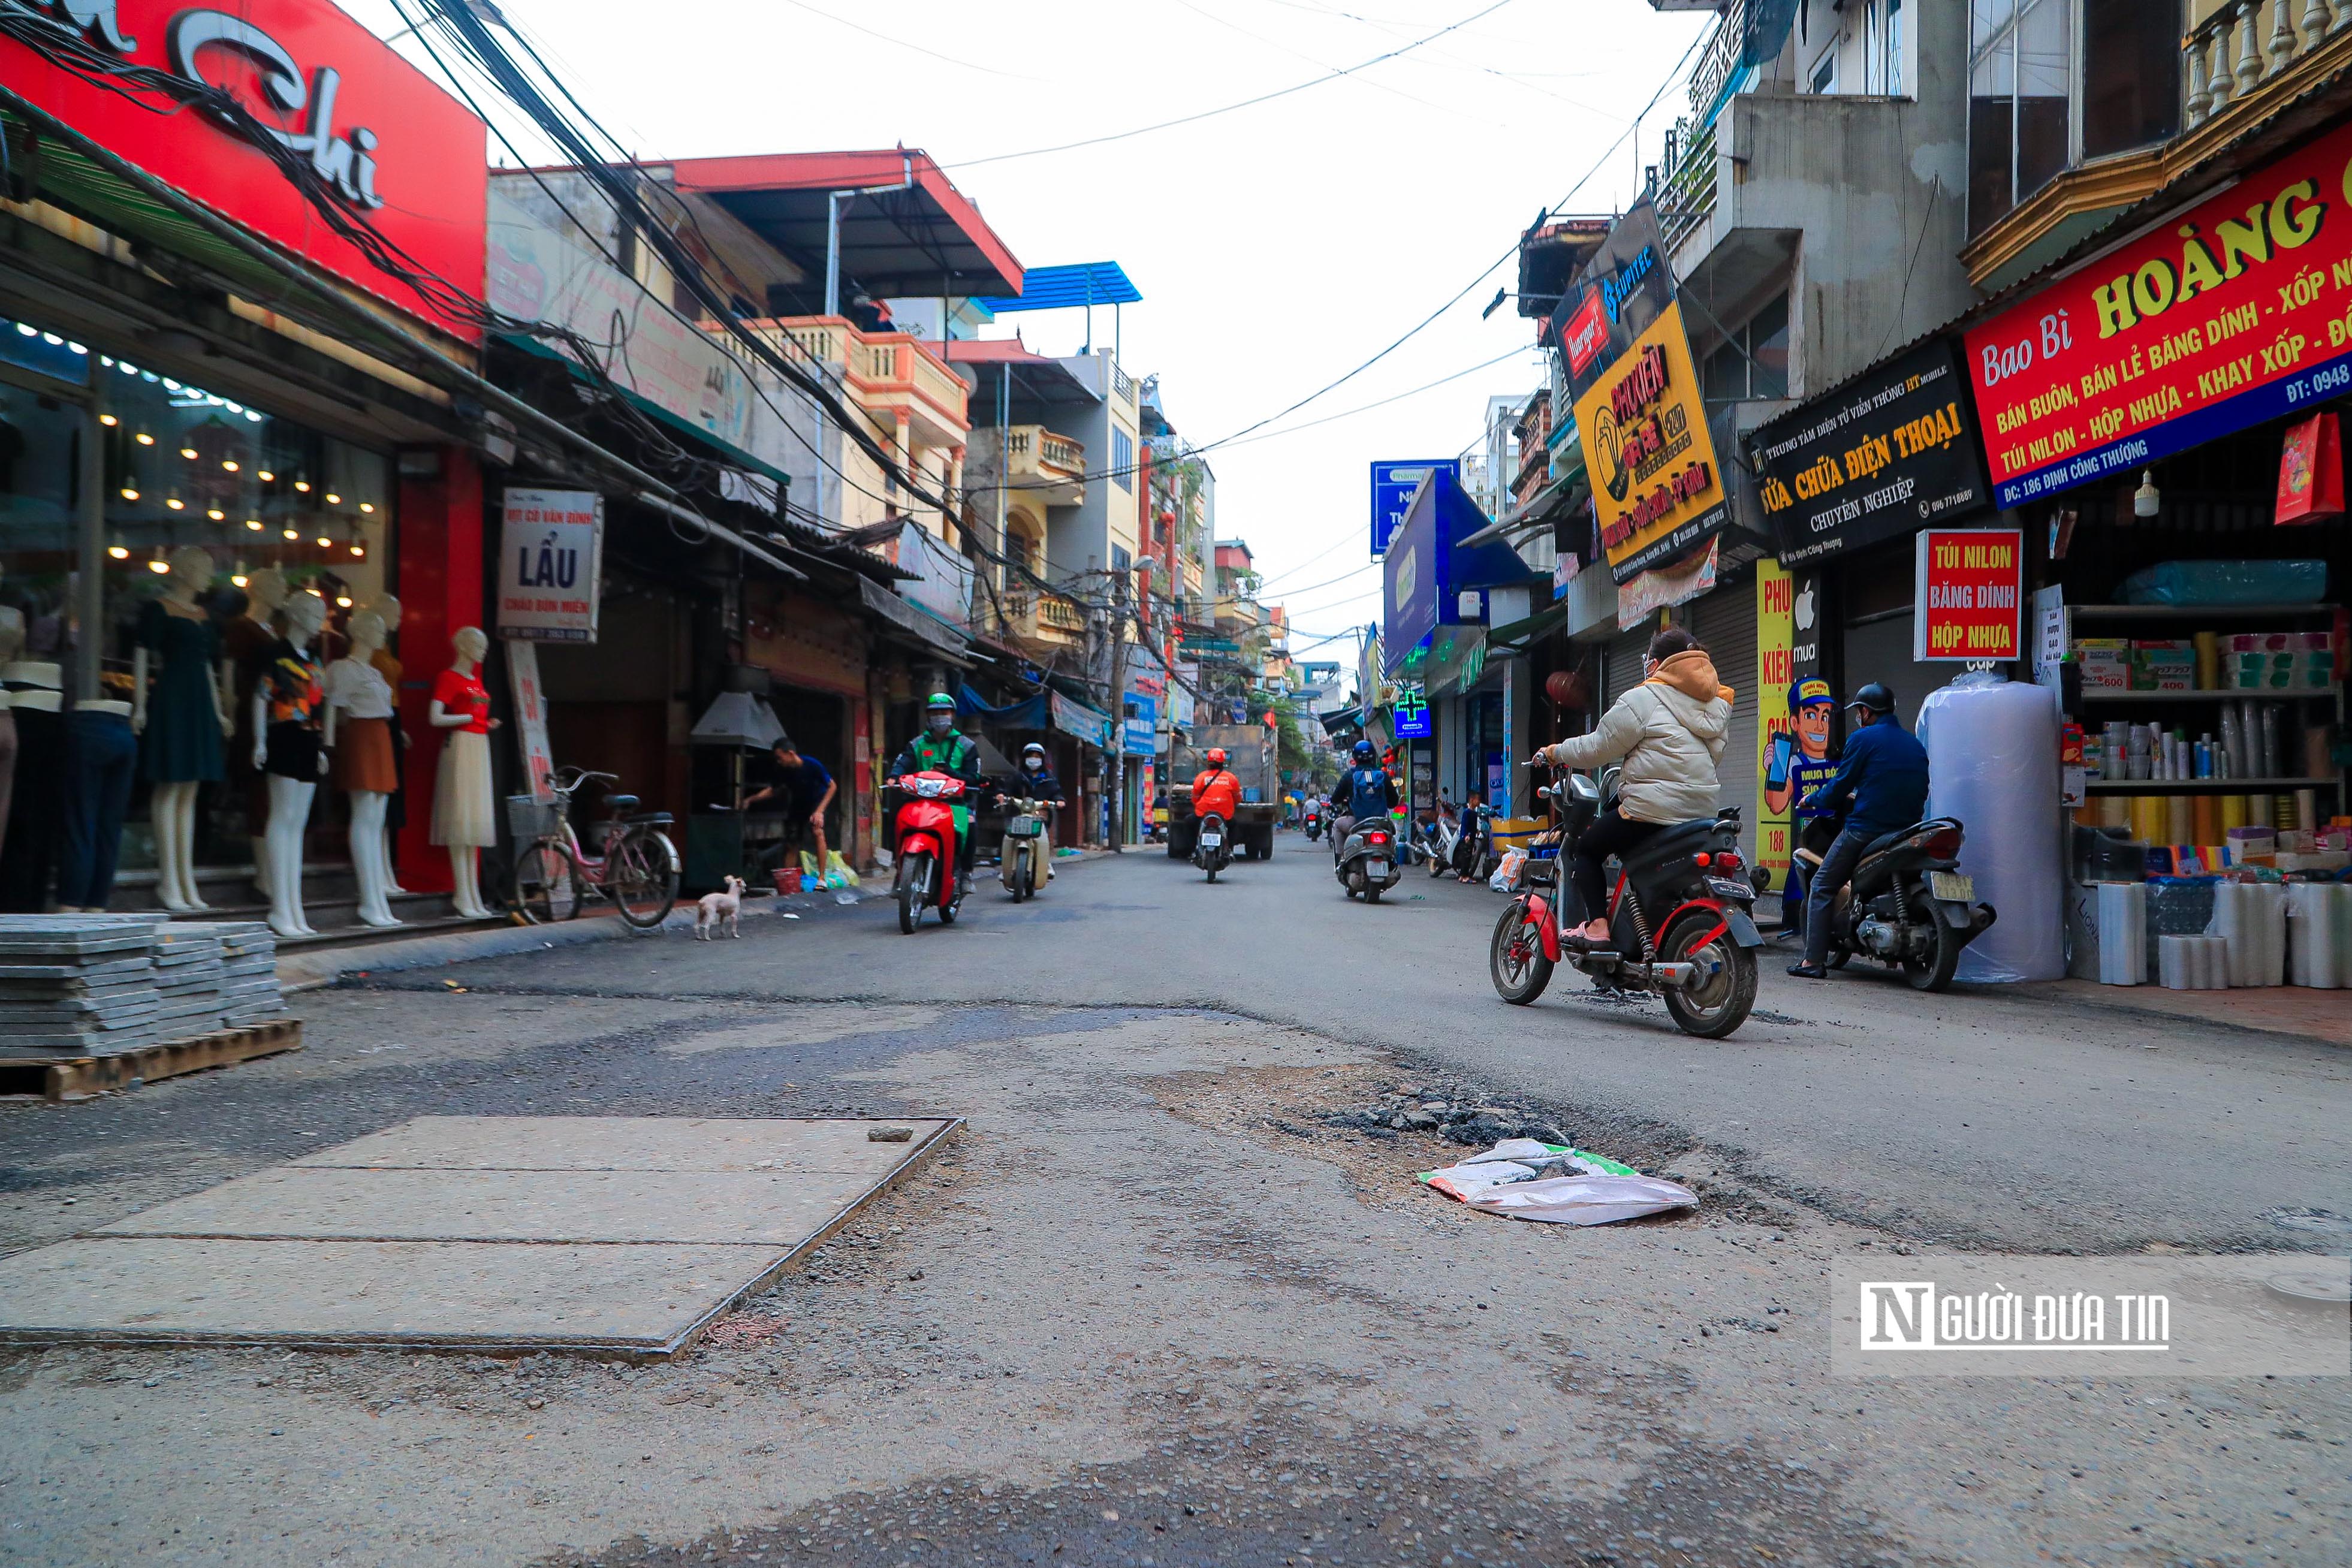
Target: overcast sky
1277,246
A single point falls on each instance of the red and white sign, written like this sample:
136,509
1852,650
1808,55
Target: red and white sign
2227,314
1586,334
1971,595
551,565
397,152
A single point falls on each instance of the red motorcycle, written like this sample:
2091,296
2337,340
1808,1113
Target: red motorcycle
926,847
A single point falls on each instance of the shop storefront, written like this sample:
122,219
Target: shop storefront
208,503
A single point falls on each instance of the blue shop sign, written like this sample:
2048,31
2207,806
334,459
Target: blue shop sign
1412,711
1429,569
1392,487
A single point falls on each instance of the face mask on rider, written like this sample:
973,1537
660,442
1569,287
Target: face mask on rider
1034,764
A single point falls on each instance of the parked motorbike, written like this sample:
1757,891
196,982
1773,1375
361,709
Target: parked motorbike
1212,845
1368,864
926,847
1678,915
1024,854
1441,840
1909,906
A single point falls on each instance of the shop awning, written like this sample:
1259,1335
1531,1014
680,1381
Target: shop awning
1518,634
1074,718
927,632
646,405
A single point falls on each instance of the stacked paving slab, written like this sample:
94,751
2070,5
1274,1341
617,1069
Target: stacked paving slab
78,984
100,986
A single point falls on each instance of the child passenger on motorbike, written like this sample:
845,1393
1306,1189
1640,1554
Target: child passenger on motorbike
1669,732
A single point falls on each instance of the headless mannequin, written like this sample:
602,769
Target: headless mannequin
289,798
388,609
468,650
265,594
370,861
172,806
11,643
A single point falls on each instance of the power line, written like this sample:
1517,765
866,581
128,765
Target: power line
1230,107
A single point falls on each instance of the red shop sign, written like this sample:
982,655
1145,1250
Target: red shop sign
398,152
1971,587
2235,312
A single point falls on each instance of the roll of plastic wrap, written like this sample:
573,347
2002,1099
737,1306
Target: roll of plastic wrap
2234,740
2213,963
2316,742
2208,820
2261,812
2314,961
2179,819
2269,923
2273,764
2115,810
2306,811
2247,759
2208,661
2339,929
2234,926
2175,961
2123,934
2233,812
1992,762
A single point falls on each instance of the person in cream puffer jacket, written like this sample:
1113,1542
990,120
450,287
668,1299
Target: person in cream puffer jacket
1669,732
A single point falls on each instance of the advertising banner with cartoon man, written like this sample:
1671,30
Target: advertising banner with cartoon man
1800,711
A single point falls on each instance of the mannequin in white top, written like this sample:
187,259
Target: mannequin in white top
387,608
357,690
172,805
289,795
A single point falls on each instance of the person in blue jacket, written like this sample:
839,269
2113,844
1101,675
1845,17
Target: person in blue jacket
1881,786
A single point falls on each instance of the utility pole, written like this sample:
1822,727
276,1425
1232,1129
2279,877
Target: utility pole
1117,781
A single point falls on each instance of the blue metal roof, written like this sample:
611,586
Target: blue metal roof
1061,287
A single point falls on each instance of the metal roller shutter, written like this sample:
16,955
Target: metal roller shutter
1625,653
1726,622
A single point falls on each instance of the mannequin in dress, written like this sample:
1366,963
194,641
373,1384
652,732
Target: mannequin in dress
247,641
463,812
287,701
181,721
360,722
395,816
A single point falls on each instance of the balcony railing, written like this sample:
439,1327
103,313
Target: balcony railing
881,370
1718,60
2225,59
1686,195
1034,459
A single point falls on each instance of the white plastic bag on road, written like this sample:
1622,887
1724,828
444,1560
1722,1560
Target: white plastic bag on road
1586,1200
1506,872
1520,1178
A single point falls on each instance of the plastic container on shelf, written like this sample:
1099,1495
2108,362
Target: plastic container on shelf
1992,762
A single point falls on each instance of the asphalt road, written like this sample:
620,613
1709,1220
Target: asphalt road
1979,1117
1159,1305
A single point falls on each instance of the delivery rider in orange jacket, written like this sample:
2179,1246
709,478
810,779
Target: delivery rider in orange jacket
1216,790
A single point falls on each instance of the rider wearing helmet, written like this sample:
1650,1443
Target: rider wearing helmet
1364,790
1038,784
1881,786
942,748
1216,790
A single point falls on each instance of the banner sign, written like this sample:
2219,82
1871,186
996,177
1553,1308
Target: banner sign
403,156
1656,490
1392,488
1879,456
2233,314
550,557
1971,595
530,719
1623,290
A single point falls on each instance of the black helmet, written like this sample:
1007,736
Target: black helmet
1365,753
1877,697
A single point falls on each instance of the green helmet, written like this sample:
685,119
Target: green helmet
940,713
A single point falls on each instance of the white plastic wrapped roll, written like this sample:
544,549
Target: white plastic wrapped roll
2176,968
2308,934
2270,927
2213,963
1992,762
2123,934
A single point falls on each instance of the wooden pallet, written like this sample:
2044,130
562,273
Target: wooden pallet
78,1077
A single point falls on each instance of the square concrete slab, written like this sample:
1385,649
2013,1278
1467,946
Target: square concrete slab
639,1300
696,1207
628,1143
612,1235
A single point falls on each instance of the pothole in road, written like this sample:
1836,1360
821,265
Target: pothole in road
2318,1222
1278,1492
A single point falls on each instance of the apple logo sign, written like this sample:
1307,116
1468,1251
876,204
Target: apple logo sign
1805,610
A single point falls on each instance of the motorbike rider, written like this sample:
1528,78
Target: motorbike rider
1364,790
1216,790
942,748
1882,786
1038,784
1670,731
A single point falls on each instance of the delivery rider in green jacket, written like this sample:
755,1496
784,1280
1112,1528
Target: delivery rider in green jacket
942,748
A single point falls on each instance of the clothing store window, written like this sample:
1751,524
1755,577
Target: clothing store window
40,449
1754,363
277,509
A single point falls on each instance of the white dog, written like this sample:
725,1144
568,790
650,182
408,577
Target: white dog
717,908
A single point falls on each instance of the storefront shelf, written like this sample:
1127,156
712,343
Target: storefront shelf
2261,694
2215,612
2222,786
